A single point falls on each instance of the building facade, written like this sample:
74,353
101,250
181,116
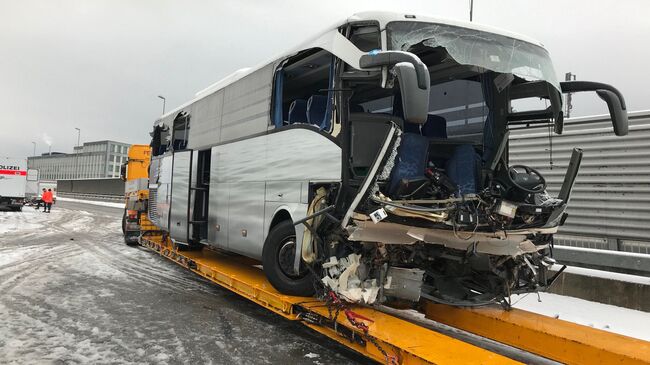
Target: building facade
92,160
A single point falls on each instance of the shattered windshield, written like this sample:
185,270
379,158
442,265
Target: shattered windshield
473,47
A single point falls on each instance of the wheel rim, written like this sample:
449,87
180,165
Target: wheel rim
286,258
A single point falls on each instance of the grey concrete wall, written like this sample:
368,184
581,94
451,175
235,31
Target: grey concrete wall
92,186
604,290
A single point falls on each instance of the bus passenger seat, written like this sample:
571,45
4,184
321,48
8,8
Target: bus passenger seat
298,111
411,160
318,112
463,168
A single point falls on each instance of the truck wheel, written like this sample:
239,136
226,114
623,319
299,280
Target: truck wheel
124,223
130,239
277,262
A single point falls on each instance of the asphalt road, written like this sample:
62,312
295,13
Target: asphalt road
71,292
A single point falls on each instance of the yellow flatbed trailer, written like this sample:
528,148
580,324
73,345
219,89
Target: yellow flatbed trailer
403,342
553,338
389,339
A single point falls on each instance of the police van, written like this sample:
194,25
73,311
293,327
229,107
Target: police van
13,179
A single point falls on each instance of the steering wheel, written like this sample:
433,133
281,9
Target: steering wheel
530,180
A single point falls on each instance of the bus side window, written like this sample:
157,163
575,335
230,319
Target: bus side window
302,90
365,37
158,140
181,131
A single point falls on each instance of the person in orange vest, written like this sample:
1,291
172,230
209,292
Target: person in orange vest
40,200
48,198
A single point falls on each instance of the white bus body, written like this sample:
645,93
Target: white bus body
390,128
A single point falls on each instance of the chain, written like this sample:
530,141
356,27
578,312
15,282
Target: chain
333,299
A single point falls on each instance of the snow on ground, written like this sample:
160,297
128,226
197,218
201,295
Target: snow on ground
71,292
28,220
92,202
624,321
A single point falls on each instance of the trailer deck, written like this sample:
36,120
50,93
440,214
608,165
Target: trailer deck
389,339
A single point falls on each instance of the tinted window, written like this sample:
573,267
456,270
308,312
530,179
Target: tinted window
366,37
462,105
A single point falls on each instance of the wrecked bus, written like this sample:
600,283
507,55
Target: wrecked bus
372,163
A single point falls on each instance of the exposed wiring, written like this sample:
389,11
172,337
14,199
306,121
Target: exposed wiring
409,207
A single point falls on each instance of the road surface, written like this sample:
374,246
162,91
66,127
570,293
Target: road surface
72,292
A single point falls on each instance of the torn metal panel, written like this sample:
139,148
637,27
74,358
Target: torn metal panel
404,283
512,243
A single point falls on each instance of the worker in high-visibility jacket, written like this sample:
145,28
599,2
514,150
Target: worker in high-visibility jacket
48,199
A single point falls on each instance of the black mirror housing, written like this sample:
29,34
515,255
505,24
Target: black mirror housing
617,113
614,99
415,101
413,77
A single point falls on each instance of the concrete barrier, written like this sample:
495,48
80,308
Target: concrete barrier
621,290
113,186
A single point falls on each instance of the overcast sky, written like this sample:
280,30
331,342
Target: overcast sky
99,65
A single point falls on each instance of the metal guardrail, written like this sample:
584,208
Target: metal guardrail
95,197
602,259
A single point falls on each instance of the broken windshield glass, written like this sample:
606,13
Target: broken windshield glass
473,47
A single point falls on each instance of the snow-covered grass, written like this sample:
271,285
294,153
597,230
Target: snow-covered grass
624,321
92,202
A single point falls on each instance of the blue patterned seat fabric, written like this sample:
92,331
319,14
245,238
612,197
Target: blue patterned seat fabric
411,160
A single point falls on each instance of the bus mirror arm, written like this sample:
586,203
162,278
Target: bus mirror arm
611,96
413,77
391,58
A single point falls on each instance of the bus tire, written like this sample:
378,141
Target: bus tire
277,262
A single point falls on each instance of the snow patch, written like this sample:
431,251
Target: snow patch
27,220
624,321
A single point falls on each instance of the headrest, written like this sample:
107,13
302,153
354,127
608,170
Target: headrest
298,111
316,109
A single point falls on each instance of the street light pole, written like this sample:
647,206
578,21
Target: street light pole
34,143
471,10
569,77
164,101
78,135
76,174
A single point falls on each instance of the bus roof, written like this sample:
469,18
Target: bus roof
383,17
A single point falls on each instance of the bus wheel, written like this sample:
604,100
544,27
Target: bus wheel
277,261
